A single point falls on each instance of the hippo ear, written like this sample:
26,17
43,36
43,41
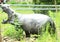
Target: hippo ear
4,5
1,5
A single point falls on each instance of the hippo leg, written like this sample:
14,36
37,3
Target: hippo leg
27,34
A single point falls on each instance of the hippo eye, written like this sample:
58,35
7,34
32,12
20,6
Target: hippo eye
12,12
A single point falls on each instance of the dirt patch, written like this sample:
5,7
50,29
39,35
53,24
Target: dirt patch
7,39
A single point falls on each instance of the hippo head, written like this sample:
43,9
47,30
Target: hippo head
4,7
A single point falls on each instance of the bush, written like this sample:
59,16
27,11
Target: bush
11,32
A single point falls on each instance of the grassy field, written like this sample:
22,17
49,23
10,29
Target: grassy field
8,29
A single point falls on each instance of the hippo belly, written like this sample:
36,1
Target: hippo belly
33,22
32,25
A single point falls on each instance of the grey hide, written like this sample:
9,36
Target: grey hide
30,23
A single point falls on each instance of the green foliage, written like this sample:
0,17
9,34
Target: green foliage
16,2
11,32
46,38
12,2
38,2
44,2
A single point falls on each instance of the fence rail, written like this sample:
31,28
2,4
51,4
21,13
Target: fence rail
33,5
30,7
37,9
40,7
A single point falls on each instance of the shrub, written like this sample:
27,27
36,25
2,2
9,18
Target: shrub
11,32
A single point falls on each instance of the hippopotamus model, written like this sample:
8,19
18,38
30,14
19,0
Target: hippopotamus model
30,23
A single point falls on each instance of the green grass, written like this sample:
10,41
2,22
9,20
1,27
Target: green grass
22,11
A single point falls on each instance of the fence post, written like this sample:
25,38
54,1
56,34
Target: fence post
56,6
0,34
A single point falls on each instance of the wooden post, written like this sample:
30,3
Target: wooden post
56,6
0,34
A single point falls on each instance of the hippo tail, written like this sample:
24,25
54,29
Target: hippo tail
53,28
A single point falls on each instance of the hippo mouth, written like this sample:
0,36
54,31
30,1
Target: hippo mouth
4,21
